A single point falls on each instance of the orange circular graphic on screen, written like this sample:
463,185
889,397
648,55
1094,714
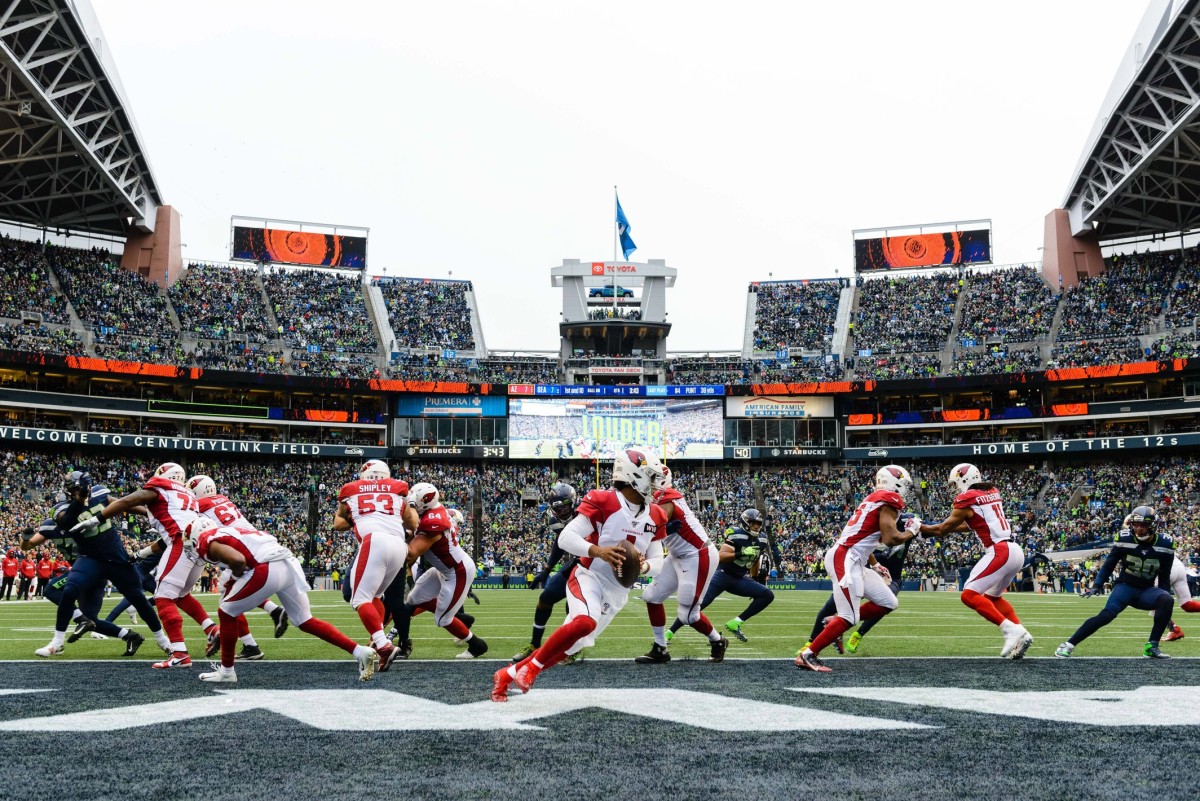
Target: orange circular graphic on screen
922,250
299,247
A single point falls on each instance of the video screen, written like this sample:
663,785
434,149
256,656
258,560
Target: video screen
560,428
923,250
299,247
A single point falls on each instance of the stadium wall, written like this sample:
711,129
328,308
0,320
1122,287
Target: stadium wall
156,256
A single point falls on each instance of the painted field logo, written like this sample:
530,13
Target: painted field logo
383,710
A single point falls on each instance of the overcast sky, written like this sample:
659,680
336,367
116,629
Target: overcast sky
483,139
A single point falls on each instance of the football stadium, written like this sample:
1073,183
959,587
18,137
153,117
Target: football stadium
276,522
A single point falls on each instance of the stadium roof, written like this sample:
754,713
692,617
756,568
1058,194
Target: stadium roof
1140,170
70,153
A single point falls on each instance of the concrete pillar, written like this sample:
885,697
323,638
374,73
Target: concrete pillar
1066,258
156,256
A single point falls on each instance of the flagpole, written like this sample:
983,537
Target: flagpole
616,244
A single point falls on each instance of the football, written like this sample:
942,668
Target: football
628,573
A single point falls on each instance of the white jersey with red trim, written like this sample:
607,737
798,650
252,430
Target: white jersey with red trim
862,534
691,536
174,507
613,519
256,547
376,506
445,552
988,521
224,512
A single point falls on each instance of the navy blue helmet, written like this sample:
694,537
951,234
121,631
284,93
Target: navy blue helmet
1141,523
562,500
752,516
76,481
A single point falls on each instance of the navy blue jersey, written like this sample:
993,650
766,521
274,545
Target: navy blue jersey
1142,565
63,541
554,527
892,557
746,548
102,542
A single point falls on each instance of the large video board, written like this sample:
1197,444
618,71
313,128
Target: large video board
308,248
591,428
910,251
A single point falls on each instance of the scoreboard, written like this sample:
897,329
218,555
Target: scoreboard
604,391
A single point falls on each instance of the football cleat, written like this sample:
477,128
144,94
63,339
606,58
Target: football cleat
807,660
1175,633
1016,632
1022,646
387,655
734,627
393,634
524,653
214,641
501,681
83,625
1152,651
174,661
367,660
250,653
657,655
475,647
405,649
526,676
281,621
129,610
838,643
471,594
571,659
49,650
717,650
1064,650
133,641
95,635
852,643
220,676
669,635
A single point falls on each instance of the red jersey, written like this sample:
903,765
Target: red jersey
613,519
9,566
44,568
445,553
28,568
62,564
690,536
375,506
224,512
173,507
862,533
988,521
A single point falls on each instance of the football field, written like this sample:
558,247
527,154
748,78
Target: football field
926,710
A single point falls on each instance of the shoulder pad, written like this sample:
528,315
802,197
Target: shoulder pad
598,504
658,515
888,497
435,521
667,495
206,504
1125,539
159,483
1166,540
347,490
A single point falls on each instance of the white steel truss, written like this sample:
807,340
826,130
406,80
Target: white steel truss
69,155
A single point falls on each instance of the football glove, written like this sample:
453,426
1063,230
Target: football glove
883,573
752,552
913,524
539,580
85,525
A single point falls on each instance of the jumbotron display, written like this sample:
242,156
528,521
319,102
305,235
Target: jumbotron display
910,251
306,248
558,428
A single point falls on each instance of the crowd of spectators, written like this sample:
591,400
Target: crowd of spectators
129,348
1014,305
1123,301
218,301
322,309
240,356
1094,352
906,315
427,313
996,359
25,277
797,314
1185,292
896,366
112,300
40,339
334,364
516,370
610,313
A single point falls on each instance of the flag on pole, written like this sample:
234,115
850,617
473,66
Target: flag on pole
627,245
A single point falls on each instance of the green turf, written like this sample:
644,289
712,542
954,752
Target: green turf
926,624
